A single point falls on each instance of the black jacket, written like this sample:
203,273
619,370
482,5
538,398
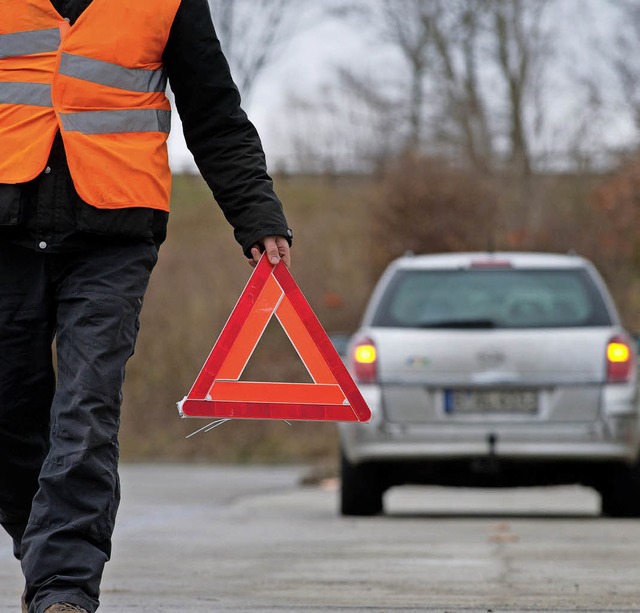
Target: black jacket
47,213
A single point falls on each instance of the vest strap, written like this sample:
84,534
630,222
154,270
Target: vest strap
32,94
115,122
29,43
112,75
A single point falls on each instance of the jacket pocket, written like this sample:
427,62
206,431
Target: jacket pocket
10,205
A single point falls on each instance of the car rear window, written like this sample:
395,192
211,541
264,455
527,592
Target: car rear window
492,298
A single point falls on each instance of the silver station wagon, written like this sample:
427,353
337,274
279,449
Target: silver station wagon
493,370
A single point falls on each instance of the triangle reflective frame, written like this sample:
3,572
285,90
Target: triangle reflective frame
218,392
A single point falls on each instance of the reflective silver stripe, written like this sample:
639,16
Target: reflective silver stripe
34,94
113,75
28,43
113,122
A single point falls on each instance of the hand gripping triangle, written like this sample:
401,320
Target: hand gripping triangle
217,391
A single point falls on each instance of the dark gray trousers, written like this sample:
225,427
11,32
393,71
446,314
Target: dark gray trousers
59,486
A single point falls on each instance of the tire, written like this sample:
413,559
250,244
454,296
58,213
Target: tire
361,489
621,493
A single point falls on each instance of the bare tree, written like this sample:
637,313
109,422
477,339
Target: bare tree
626,57
473,40
253,33
456,30
400,25
473,70
521,48
404,28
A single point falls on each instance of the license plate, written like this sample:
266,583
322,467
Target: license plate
491,401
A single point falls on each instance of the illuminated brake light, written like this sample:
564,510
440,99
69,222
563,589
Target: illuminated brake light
365,358
620,360
618,352
365,354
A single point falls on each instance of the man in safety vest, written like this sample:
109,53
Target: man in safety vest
84,203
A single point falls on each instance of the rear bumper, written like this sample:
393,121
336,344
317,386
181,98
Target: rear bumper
611,438
359,450
499,461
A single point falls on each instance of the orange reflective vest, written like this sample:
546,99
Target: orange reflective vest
101,83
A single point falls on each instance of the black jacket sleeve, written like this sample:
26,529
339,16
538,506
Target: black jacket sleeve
224,143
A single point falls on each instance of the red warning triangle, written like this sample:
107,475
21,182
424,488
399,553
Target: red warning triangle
218,392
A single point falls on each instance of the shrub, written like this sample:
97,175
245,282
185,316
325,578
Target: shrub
427,205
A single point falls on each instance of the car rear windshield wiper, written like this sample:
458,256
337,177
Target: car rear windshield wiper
459,323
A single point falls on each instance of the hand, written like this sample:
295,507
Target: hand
277,248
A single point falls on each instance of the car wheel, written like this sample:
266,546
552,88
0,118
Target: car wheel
621,492
361,488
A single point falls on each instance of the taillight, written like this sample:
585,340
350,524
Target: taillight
620,360
365,361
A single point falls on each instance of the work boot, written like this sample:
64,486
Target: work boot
65,607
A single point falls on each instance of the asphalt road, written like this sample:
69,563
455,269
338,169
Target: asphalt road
229,539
